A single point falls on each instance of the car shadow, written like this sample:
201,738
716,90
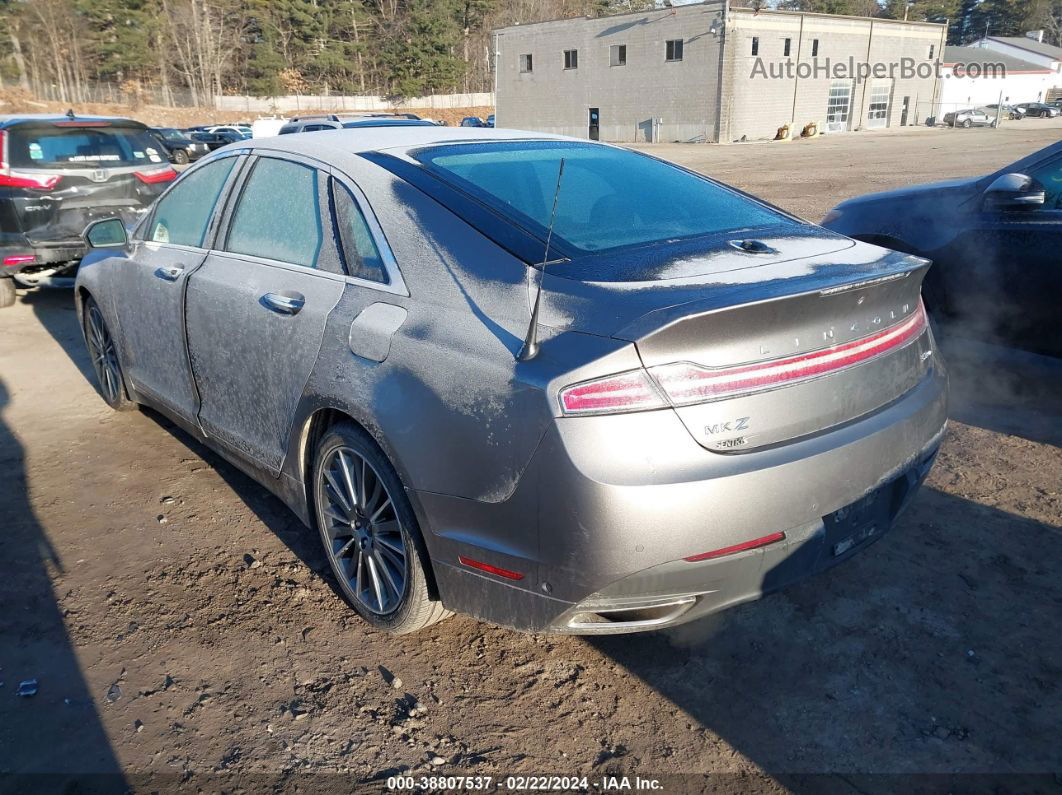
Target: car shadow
55,310
51,739
926,653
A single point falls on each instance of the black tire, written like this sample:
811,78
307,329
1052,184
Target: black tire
7,291
180,157
357,546
103,355
967,124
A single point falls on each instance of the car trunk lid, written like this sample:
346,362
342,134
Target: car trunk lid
756,356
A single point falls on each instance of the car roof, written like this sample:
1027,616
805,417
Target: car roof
12,119
358,140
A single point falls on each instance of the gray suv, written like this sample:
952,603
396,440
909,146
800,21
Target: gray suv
558,385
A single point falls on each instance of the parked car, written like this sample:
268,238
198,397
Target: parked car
490,120
179,148
243,132
58,173
721,399
970,117
1039,109
216,140
318,123
1011,112
264,128
995,242
472,121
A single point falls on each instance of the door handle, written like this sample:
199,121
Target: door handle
170,274
287,303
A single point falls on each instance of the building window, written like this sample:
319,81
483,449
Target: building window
932,49
786,46
674,49
617,55
526,64
814,48
571,59
755,45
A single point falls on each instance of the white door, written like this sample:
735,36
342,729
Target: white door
878,111
839,106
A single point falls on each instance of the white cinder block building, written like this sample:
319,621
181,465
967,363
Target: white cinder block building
716,73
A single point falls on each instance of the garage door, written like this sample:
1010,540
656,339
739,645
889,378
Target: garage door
880,95
839,106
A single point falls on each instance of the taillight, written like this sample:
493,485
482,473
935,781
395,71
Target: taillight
156,175
34,181
686,383
683,383
19,259
632,391
41,182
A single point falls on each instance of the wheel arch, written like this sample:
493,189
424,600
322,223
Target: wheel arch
312,429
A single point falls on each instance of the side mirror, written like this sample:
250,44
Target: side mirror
107,233
1014,192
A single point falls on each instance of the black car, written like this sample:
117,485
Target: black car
1039,109
216,140
180,148
995,241
57,174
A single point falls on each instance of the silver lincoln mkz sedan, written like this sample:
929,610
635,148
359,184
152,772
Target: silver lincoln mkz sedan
555,384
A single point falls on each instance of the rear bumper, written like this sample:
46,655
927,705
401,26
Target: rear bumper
601,545
57,254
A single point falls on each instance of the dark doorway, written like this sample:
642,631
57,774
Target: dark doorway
595,124
903,113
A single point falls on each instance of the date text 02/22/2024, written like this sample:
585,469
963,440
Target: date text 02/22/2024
522,783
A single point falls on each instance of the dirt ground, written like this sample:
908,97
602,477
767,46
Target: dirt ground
184,632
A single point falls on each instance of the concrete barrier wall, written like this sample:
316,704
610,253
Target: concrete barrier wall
290,104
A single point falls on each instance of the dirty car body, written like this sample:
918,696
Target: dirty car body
725,399
59,173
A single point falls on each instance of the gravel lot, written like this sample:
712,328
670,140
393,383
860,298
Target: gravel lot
184,632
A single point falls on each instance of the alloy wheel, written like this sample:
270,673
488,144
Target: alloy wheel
104,356
364,535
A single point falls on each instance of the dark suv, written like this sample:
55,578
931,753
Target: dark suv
179,147
59,173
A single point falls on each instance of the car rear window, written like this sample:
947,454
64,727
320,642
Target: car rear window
49,146
609,198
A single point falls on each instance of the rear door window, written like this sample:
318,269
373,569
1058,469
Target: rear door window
279,214
182,215
105,146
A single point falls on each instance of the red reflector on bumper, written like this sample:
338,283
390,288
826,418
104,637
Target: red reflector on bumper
475,564
19,259
756,542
